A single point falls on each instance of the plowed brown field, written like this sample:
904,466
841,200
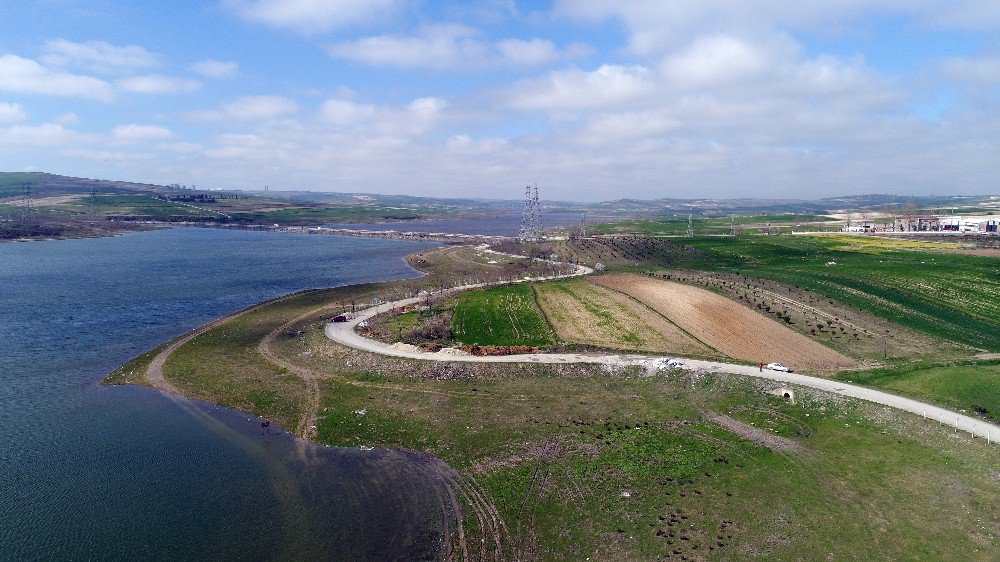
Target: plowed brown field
584,313
727,326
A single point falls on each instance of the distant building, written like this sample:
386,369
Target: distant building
974,223
949,223
916,223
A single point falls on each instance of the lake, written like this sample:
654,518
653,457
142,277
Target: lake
89,472
499,224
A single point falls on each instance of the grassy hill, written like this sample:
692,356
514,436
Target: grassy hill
576,462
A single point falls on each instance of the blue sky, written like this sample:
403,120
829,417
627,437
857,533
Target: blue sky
592,100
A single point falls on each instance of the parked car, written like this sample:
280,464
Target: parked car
675,364
778,367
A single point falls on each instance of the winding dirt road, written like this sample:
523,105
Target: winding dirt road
344,333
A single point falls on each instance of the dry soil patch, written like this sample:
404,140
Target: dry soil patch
727,326
584,313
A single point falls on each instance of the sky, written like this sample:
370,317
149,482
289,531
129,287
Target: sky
591,100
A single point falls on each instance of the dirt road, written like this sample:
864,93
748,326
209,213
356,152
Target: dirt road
344,333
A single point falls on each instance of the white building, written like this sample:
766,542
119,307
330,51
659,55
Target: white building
969,223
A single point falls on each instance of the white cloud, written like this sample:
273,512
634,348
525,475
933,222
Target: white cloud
98,56
310,16
181,146
12,113
139,133
48,134
979,70
69,118
654,25
609,85
26,76
528,53
341,113
216,69
249,108
451,47
717,60
109,155
438,46
414,119
154,84
260,107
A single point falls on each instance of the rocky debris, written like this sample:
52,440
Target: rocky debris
491,350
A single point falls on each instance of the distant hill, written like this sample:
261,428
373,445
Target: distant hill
709,207
12,184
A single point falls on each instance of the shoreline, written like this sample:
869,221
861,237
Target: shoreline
153,375
405,235
497,436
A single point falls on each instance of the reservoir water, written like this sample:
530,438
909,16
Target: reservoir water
89,472
498,224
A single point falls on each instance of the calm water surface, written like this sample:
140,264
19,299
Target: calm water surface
500,224
88,472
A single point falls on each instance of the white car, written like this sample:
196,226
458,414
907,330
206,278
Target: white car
675,364
778,367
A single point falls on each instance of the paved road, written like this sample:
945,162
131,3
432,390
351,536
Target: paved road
344,333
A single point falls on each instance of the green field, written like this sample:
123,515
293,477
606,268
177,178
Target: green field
951,296
506,315
583,461
138,206
677,225
955,297
973,387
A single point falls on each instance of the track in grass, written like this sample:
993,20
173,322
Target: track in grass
506,315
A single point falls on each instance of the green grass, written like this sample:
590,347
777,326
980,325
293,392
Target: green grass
582,462
951,296
137,206
505,315
677,225
973,386
558,454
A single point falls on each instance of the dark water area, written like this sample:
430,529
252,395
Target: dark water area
88,472
501,224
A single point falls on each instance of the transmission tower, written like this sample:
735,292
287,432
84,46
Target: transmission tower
531,216
525,233
26,208
536,215
690,231
93,208
583,224
732,225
